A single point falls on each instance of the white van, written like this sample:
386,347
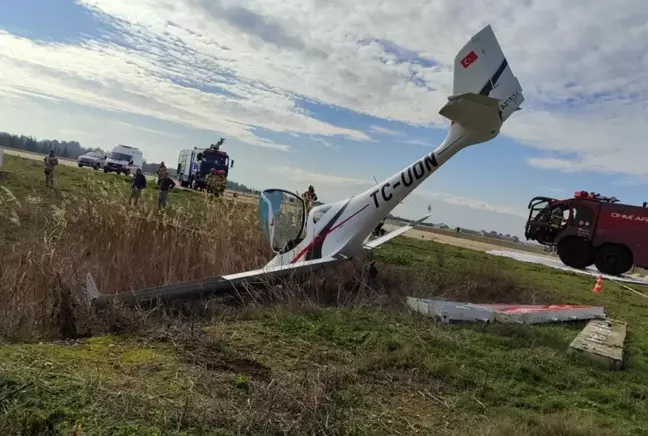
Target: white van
123,159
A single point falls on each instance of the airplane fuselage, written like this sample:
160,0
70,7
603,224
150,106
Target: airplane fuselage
342,227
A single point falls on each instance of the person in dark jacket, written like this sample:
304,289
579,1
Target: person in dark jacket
139,183
166,183
378,230
310,197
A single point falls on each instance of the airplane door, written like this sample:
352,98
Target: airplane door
282,217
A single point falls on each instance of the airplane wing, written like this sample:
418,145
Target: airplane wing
227,283
203,287
391,235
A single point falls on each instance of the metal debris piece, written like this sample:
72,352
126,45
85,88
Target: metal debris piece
454,311
601,341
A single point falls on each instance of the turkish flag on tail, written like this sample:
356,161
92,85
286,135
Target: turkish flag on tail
469,59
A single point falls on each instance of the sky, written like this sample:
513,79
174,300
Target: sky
334,93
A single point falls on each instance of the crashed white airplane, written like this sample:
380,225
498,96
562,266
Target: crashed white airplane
485,94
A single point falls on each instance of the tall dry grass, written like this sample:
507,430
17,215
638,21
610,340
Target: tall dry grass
47,246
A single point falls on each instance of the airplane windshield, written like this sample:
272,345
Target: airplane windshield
281,215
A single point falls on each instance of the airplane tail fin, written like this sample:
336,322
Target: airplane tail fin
485,90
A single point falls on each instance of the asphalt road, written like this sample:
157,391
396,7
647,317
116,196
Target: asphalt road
36,156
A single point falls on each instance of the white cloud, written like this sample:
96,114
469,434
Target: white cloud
582,70
310,177
383,131
108,76
73,133
144,129
416,142
589,67
565,165
475,204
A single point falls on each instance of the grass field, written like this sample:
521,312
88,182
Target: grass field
537,249
337,355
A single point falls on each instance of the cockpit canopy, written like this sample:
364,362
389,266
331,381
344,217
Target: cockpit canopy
282,215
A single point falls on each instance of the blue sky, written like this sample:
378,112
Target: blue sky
334,94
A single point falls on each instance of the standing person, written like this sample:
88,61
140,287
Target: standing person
211,181
166,183
51,161
139,183
309,197
160,171
221,183
378,230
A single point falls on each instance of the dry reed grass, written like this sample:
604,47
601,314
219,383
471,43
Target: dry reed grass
47,247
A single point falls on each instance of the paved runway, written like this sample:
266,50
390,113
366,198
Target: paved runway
556,263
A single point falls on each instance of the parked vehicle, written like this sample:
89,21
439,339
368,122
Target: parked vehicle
93,159
123,159
591,229
194,165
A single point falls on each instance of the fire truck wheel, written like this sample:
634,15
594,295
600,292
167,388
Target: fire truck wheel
613,259
576,252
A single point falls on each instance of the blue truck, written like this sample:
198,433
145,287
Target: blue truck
195,164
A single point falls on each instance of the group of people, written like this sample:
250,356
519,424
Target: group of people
164,182
216,182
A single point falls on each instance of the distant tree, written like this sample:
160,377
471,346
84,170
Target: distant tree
69,149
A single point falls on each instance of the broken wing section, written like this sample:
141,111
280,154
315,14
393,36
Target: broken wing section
375,243
208,286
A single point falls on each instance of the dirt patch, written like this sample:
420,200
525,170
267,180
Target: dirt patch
215,356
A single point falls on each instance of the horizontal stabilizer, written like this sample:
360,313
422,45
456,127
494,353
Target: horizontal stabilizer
474,111
391,235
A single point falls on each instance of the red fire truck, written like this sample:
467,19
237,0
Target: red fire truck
590,229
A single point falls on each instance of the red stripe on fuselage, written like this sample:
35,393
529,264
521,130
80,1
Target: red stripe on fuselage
321,237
